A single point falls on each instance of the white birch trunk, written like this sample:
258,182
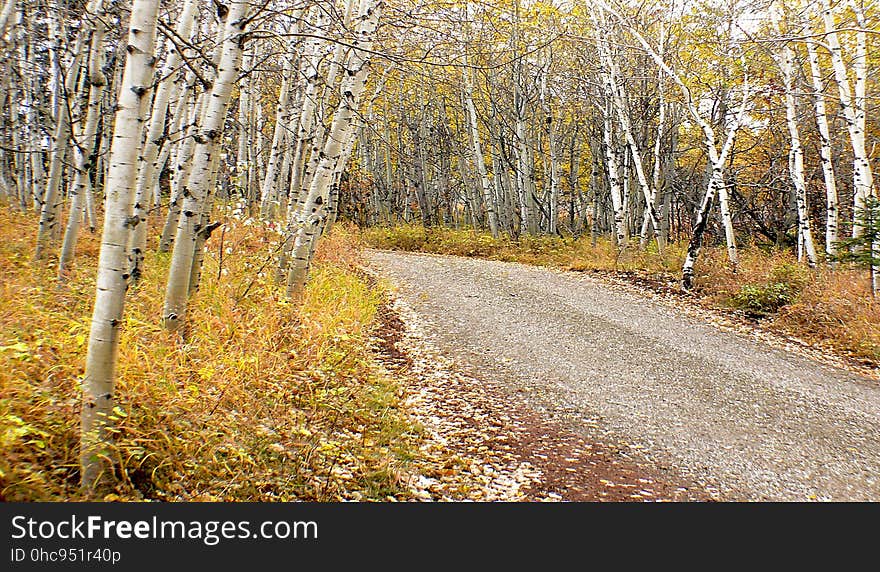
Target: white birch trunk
862,176
112,280
860,71
716,184
244,129
51,197
479,159
618,97
84,152
831,202
341,130
149,164
796,155
613,178
270,191
179,174
203,168
306,129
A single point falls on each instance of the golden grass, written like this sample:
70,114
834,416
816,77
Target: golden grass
261,399
832,308
554,251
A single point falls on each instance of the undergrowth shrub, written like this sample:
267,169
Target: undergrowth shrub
260,399
782,287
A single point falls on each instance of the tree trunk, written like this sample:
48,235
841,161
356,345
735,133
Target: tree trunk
113,279
796,155
198,184
862,176
831,203
50,200
313,210
84,151
149,164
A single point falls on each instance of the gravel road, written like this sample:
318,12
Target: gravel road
747,421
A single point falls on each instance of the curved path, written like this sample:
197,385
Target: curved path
748,421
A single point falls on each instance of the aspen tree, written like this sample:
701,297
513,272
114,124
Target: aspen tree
477,148
270,187
862,175
613,172
50,199
616,92
149,162
244,128
84,150
307,128
183,160
831,201
309,217
796,154
203,170
717,158
113,279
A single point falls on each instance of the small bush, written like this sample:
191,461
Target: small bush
763,299
783,287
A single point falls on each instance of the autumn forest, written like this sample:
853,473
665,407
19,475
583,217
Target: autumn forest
206,209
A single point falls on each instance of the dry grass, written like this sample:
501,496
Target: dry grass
573,254
837,311
831,308
260,400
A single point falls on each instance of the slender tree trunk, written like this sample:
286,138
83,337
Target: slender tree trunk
307,131
244,129
716,182
796,155
479,160
180,172
619,103
862,175
113,279
84,151
355,77
831,203
613,179
51,199
270,191
203,171
149,164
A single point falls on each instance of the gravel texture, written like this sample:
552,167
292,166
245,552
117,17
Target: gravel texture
744,420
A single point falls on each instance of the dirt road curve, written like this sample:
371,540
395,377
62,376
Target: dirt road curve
746,421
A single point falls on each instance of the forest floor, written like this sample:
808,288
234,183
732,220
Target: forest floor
568,386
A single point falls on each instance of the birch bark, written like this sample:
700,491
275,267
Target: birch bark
309,217
50,200
796,154
831,201
198,184
149,164
84,151
479,159
113,279
862,175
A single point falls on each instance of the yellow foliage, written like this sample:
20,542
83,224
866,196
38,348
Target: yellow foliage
241,407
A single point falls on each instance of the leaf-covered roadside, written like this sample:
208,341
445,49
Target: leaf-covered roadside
259,400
